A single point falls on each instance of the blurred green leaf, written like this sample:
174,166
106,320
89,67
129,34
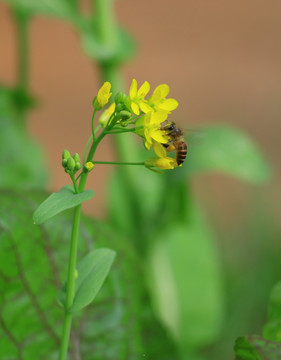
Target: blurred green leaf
21,158
33,262
253,347
12,99
59,201
226,150
92,271
185,281
62,9
272,329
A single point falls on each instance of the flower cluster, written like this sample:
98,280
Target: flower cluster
145,113
70,163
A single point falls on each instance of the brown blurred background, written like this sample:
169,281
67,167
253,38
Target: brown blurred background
222,60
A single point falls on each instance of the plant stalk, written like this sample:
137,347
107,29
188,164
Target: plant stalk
70,288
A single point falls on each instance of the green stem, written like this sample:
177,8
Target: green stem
117,163
105,22
70,288
117,131
104,17
88,144
84,175
74,183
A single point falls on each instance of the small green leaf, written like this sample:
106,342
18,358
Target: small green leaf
253,347
92,271
62,200
229,151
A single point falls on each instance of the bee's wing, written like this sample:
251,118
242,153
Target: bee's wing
193,136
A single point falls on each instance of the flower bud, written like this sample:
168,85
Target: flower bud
120,97
96,104
76,157
124,123
88,166
64,162
77,166
124,115
119,107
70,163
65,154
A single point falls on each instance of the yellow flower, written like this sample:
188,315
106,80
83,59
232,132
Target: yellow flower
136,96
89,166
158,99
152,128
162,162
104,94
105,116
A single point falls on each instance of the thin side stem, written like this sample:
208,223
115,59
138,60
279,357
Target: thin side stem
117,163
94,146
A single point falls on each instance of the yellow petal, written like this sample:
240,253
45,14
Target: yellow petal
145,107
147,118
162,163
104,94
157,117
106,115
160,93
159,136
165,89
144,89
159,149
166,163
133,89
148,140
168,105
135,108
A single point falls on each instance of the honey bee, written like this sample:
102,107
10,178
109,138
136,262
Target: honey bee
176,141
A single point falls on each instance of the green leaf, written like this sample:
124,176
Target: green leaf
62,200
227,150
272,329
253,347
33,263
92,271
185,282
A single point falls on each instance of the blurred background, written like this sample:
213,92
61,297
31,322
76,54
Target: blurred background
222,61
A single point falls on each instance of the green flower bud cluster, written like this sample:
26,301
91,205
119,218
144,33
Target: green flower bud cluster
122,109
70,163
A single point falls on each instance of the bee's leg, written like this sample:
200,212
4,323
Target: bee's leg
171,148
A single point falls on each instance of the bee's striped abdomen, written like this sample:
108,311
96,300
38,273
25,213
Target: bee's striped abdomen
181,147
